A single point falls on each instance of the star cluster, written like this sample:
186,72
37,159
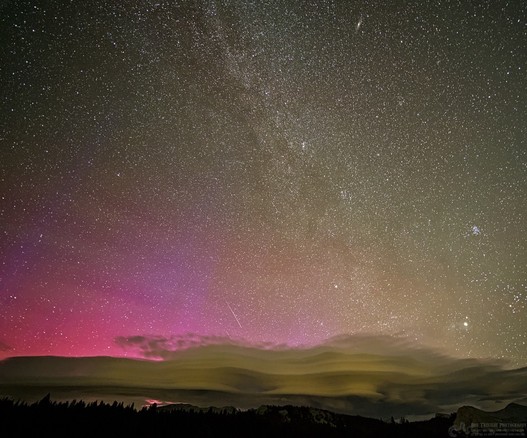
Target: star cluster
275,171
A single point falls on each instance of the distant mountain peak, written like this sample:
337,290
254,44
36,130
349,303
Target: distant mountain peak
471,420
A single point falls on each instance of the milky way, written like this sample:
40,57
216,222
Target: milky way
274,171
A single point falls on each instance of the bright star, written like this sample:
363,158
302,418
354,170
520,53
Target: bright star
357,27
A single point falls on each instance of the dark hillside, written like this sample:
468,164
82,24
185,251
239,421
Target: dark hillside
81,419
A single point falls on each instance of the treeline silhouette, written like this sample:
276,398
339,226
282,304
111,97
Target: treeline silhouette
81,419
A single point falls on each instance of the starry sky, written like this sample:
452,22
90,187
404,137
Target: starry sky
277,172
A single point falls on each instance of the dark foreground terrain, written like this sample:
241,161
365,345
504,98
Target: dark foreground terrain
81,419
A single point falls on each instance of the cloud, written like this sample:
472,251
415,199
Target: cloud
4,346
366,375
162,347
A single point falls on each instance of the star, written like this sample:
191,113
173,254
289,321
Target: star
358,25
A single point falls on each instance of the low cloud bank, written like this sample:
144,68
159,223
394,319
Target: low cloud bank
365,375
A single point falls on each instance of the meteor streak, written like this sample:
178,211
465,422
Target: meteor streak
233,314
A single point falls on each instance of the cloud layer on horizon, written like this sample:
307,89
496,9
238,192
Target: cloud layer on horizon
367,375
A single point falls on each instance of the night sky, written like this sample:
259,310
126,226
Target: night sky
268,172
